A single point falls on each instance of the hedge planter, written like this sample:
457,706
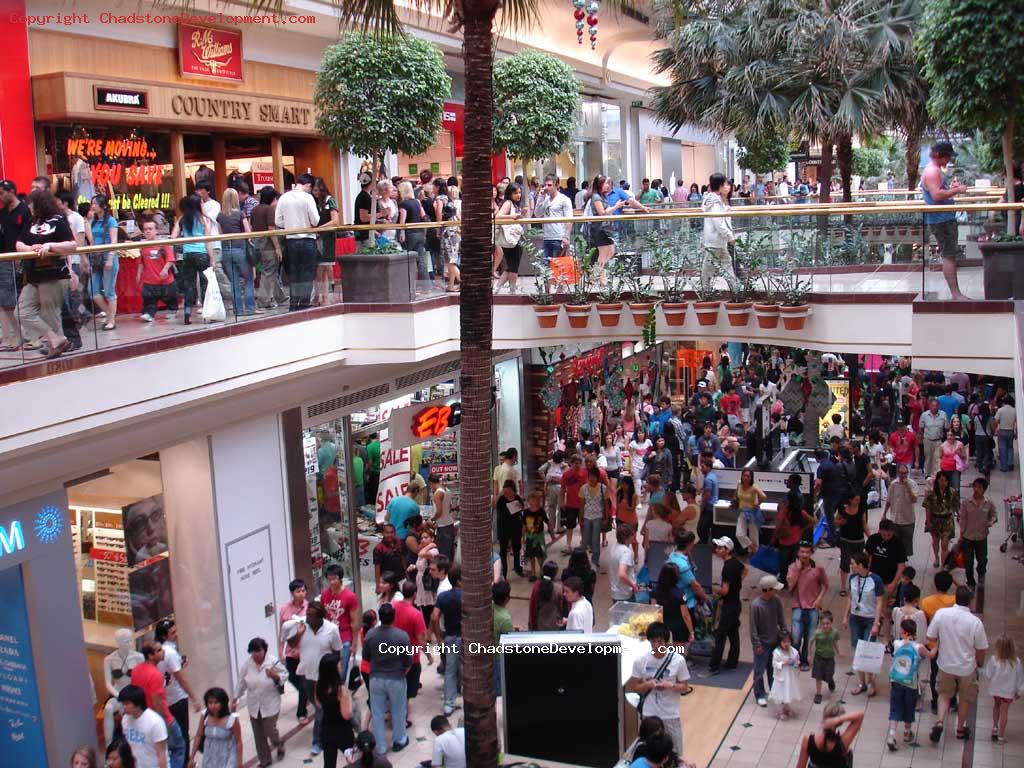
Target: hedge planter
640,312
547,314
579,315
738,312
707,311
1003,269
609,314
675,312
767,315
793,318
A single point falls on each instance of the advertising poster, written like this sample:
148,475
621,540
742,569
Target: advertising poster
150,589
21,726
145,529
840,404
395,466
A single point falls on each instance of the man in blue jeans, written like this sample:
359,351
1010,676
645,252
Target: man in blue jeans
1005,418
388,650
808,584
829,486
448,611
552,204
766,622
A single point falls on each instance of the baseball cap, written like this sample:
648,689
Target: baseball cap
769,582
725,541
8,186
702,384
943,148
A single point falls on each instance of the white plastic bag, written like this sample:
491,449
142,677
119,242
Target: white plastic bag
869,657
213,304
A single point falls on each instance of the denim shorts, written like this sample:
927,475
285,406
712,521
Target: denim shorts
902,703
103,282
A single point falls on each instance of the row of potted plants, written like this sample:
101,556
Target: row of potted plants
768,294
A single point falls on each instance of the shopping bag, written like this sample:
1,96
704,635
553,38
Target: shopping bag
766,559
564,270
820,530
213,304
868,657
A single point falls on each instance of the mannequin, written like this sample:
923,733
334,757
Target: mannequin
117,673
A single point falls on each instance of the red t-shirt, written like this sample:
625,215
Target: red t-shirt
572,481
903,447
153,260
915,415
151,680
409,619
341,608
730,404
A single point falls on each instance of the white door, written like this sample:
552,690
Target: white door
250,593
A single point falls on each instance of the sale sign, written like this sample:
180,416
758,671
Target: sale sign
210,52
395,467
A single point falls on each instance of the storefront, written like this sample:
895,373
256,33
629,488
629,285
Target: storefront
201,112
444,158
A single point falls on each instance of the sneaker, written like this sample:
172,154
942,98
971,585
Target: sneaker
762,701
908,736
832,686
805,667
396,747
891,742
709,673
315,750
817,698
145,317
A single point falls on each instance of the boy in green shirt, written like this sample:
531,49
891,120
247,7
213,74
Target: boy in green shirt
825,650
500,594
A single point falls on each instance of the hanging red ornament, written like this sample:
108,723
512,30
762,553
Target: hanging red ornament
580,14
591,20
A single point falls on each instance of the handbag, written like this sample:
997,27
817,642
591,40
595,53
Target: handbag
869,657
657,676
959,462
508,235
820,530
766,559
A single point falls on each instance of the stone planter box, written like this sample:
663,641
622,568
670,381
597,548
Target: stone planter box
1003,269
378,277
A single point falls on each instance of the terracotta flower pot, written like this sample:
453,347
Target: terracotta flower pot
707,311
579,315
793,318
675,312
609,314
738,312
640,312
547,314
767,315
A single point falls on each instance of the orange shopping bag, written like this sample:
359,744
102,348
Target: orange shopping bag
564,270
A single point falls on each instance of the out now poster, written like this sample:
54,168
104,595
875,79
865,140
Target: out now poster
395,466
21,725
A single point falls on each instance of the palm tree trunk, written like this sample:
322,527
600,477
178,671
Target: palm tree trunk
825,173
1011,216
475,321
844,156
913,158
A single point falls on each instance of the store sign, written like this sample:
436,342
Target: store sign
210,52
21,726
395,467
423,421
120,99
46,527
262,176
120,160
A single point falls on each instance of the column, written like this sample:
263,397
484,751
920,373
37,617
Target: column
178,165
17,150
277,158
220,165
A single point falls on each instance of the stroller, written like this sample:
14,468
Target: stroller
1012,514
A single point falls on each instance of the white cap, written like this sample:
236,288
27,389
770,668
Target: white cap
769,582
725,541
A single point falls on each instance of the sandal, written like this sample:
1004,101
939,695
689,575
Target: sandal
963,733
688,691
59,350
858,690
842,593
109,326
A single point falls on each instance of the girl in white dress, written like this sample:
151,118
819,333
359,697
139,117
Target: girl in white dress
1005,676
786,688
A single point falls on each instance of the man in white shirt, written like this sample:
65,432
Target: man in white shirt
554,205
449,744
660,676
581,615
1006,424
934,424
179,692
962,645
316,637
144,730
717,231
296,209
211,210
621,569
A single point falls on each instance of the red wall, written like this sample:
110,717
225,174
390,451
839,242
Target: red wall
17,137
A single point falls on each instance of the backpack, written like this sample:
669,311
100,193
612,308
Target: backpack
430,584
904,665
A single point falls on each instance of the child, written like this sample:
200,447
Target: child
906,656
911,609
826,648
1005,675
906,580
535,519
154,276
786,687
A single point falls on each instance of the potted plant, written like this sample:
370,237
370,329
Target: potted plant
793,289
578,307
544,307
1002,276
671,265
741,286
641,288
708,299
609,295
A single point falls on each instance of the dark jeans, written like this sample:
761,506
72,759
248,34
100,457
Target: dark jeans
300,685
805,622
302,256
983,453
552,248
190,268
70,319
975,550
1005,438
704,523
762,665
829,506
152,294
787,556
728,629
510,535
179,711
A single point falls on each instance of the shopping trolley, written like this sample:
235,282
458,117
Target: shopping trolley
1012,514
